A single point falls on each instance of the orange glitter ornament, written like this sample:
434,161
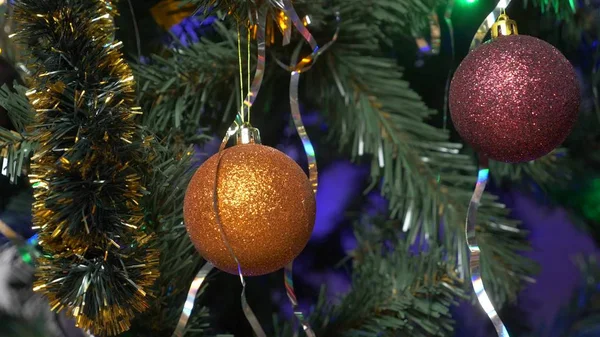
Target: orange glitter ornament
266,206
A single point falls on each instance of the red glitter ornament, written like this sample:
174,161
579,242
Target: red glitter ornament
515,98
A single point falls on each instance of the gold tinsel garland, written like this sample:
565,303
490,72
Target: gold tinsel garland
88,172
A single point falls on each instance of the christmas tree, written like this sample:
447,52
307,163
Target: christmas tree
110,107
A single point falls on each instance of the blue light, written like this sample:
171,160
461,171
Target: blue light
33,240
425,49
483,175
308,147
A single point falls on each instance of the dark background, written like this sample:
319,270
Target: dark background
556,237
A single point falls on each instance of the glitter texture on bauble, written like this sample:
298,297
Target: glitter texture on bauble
514,99
266,206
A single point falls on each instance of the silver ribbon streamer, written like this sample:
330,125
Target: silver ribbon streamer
234,129
295,69
188,307
485,26
306,143
288,8
313,178
482,179
289,288
474,262
250,316
259,73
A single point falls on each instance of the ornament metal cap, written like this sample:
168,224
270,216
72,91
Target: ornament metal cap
504,26
247,134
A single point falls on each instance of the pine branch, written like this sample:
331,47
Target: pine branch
15,150
17,327
563,9
17,106
169,179
428,182
180,87
240,10
394,294
546,172
179,259
16,147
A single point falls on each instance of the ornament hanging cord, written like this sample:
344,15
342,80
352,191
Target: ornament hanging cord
244,111
482,179
241,70
235,127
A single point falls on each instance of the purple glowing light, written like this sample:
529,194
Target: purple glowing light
339,184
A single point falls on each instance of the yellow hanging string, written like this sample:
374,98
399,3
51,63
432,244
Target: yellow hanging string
239,47
248,69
